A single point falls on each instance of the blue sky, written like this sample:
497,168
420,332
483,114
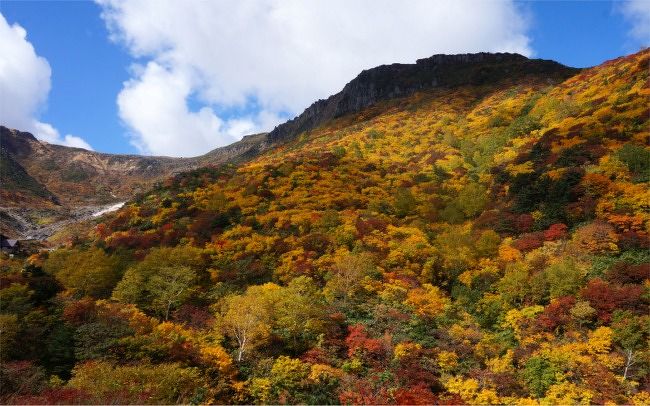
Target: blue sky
123,89
87,68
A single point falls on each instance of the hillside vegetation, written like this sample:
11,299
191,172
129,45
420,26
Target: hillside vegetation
474,244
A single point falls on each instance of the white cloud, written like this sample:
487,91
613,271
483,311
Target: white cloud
267,58
638,14
154,105
24,86
76,142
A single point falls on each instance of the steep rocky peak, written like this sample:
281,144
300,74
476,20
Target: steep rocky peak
400,80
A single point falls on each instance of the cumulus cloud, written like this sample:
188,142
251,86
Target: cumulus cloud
637,13
24,87
209,72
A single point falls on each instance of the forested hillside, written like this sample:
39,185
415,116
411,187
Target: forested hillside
478,243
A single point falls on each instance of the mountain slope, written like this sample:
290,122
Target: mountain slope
530,146
53,183
479,243
60,184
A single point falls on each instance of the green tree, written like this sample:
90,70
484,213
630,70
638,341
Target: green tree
163,280
405,203
539,374
487,244
9,329
472,199
298,316
170,287
631,333
86,272
637,159
15,299
289,378
564,278
514,287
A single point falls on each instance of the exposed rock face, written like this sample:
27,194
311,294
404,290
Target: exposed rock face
401,80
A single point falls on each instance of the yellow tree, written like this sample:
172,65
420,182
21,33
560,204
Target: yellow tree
247,318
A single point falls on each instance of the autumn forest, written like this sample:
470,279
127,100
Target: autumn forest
482,243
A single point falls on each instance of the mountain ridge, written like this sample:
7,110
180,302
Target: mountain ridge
401,80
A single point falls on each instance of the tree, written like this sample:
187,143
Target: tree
596,238
157,384
582,312
131,288
163,280
9,329
289,379
564,278
472,199
299,313
427,301
539,374
15,299
514,287
555,232
405,203
487,245
348,273
631,334
170,287
637,159
557,313
606,297
247,317
86,272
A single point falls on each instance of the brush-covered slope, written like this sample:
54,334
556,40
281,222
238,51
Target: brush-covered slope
477,243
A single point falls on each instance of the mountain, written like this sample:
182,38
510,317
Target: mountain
401,80
532,141
53,184
76,176
465,230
